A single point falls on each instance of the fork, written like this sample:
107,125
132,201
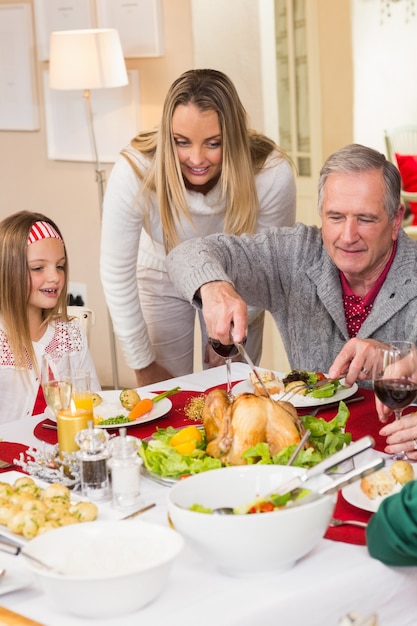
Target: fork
287,395
347,522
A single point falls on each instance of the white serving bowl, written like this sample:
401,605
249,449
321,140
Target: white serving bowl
109,568
244,545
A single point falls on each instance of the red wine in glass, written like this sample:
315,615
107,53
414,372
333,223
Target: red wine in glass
396,393
227,351
394,378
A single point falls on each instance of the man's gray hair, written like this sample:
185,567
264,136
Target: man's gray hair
358,158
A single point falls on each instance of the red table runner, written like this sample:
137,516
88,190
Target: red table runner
363,421
175,418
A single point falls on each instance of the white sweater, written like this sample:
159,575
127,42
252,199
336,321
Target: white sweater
124,242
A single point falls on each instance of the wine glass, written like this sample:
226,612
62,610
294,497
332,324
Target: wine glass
55,384
394,366
228,352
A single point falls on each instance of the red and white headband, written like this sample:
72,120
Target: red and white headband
42,230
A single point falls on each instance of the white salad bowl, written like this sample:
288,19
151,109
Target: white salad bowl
254,543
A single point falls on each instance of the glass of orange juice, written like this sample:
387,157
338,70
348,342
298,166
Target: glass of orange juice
81,395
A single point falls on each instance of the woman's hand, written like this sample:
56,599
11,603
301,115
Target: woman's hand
151,374
402,436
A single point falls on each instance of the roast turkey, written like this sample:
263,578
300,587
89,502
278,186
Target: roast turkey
233,427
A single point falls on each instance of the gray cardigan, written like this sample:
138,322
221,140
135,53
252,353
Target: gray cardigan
288,272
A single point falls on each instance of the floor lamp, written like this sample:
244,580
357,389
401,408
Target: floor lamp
89,59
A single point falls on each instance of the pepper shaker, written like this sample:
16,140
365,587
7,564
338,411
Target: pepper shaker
125,467
93,462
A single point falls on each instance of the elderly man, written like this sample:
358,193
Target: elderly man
335,292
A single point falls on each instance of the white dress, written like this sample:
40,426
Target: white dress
18,388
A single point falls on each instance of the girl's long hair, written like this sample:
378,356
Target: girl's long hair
244,152
16,284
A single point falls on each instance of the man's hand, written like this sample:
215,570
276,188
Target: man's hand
356,359
223,309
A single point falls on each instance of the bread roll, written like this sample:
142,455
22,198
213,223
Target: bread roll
379,483
271,382
402,471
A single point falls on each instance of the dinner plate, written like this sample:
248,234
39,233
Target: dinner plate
14,579
355,496
111,400
111,407
298,401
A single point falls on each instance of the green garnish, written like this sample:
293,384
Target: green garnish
199,508
118,419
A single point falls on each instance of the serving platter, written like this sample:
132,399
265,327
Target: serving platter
355,496
297,400
167,481
105,510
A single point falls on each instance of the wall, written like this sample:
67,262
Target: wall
67,191
336,74
384,50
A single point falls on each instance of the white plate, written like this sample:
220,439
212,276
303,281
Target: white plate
111,407
14,579
297,400
355,496
159,409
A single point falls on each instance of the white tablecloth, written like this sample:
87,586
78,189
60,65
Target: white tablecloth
331,581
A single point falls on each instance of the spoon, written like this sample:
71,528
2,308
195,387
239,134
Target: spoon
299,446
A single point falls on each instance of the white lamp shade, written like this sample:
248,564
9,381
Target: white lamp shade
86,59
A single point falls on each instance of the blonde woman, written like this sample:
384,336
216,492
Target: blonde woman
201,171
33,314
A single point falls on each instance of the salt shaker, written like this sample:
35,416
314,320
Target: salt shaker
93,462
125,470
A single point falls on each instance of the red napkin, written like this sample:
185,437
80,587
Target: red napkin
10,451
348,534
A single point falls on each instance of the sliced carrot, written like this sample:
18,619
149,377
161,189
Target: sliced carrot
142,407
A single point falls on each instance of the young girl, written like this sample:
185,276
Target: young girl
202,171
33,317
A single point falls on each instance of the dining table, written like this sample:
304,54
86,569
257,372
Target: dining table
338,577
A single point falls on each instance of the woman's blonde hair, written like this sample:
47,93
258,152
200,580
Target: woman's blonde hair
16,284
244,152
